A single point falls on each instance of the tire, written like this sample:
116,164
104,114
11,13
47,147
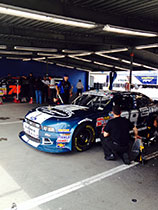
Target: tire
83,138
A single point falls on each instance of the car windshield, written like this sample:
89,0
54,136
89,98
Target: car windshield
91,101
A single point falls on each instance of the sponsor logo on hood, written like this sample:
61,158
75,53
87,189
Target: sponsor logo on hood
62,111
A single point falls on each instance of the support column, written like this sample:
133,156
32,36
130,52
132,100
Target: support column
131,68
46,65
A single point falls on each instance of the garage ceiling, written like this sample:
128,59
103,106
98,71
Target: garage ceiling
81,33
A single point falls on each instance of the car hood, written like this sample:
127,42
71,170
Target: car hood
60,112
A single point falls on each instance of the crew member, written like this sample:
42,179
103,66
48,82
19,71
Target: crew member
64,89
116,137
79,87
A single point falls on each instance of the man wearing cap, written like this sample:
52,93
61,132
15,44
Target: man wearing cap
64,89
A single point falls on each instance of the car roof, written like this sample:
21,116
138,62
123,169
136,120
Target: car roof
107,93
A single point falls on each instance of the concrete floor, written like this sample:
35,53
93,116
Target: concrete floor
26,173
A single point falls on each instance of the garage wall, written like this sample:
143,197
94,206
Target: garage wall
19,68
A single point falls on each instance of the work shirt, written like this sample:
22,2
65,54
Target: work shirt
52,84
79,85
118,129
64,87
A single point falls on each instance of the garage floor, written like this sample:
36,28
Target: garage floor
36,180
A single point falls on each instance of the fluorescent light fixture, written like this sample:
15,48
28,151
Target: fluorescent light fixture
149,67
82,69
73,51
40,16
56,56
146,46
103,64
3,47
121,68
26,59
36,49
81,59
14,58
81,54
47,54
107,56
114,50
128,31
14,52
137,64
125,61
38,59
62,65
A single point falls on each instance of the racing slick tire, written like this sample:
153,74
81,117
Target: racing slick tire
83,138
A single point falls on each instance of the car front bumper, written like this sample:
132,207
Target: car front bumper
53,147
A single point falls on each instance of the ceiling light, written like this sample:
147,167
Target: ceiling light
73,23
56,56
137,64
149,67
103,64
128,31
62,65
73,51
107,56
81,54
14,58
31,14
146,46
114,50
38,59
82,69
81,59
3,47
47,54
121,68
26,59
125,61
35,49
14,52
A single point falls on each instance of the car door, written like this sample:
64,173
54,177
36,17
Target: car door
145,107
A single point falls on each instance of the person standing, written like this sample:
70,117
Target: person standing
38,90
31,81
116,137
45,89
79,87
52,88
64,89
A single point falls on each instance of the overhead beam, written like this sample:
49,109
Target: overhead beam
33,37
60,7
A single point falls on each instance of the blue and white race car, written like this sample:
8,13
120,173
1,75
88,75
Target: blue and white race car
64,128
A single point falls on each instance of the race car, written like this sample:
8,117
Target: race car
64,128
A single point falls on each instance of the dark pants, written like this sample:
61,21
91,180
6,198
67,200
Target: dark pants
79,92
65,97
111,147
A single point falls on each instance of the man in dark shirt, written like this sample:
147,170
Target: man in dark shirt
116,136
64,87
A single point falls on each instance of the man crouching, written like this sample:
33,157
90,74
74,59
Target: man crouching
116,137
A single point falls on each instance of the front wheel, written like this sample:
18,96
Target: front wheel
83,137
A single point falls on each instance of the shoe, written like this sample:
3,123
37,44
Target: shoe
110,157
125,158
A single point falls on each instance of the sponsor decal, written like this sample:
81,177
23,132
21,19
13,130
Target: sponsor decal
102,121
33,118
63,130
3,91
14,89
63,138
60,145
147,79
62,111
